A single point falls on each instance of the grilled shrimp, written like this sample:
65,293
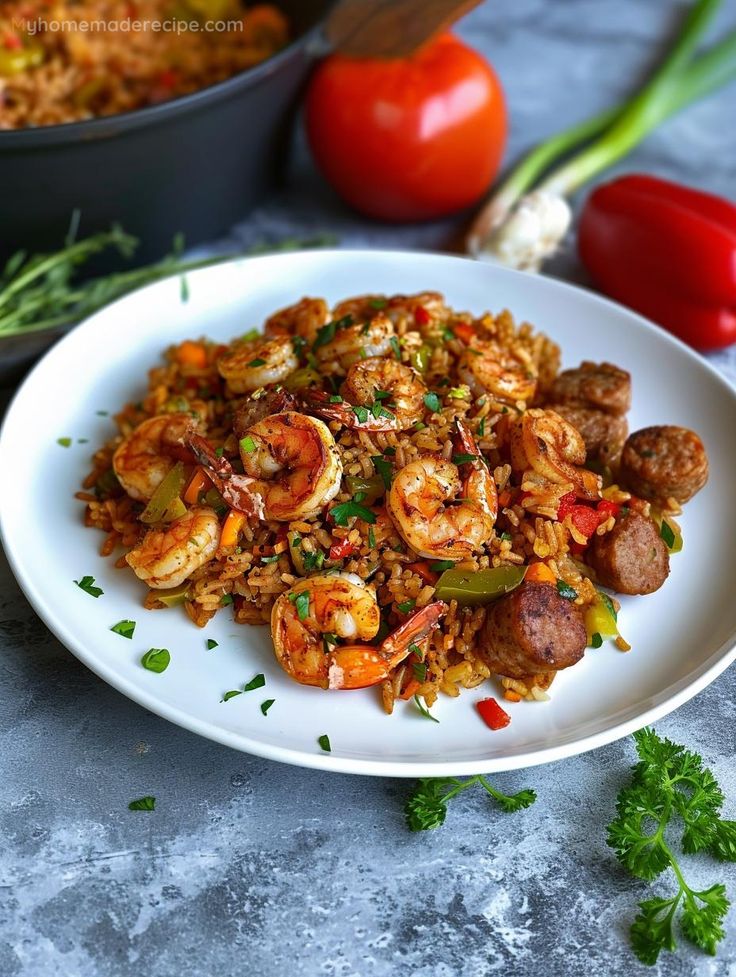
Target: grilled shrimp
257,363
396,307
308,622
304,318
389,393
166,557
545,443
354,341
486,368
145,456
438,512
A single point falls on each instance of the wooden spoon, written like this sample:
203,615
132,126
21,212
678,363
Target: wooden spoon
389,28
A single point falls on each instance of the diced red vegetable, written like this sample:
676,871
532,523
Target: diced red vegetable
342,549
585,519
421,316
464,331
492,714
567,504
606,509
422,568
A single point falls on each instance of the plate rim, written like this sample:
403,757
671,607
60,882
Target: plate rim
686,689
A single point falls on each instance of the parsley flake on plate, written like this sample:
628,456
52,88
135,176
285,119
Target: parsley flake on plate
423,710
156,660
124,628
257,682
211,643
64,442
87,584
266,705
324,742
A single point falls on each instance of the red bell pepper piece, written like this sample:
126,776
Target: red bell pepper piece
666,251
492,714
342,549
421,316
606,509
567,504
585,520
464,332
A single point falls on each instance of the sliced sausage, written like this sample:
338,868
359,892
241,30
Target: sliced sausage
602,386
604,434
632,558
533,630
664,462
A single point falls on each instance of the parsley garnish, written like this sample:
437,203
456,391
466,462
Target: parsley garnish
87,584
211,643
384,469
124,628
64,442
361,413
313,561
432,402
416,650
247,444
596,640
257,682
270,559
426,808
346,510
231,694
324,742
301,602
219,452
257,362
147,803
566,591
326,333
156,660
395,347
266,705
420,671
506,536
423,709
671,781
335,399
378,303
406,606
482,427
667,534
226,599
439,566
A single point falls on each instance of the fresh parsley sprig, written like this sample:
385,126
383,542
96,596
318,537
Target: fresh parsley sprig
427,806
670,782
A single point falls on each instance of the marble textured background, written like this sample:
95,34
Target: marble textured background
250,867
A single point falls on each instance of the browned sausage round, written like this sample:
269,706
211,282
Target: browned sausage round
604,434
664,462
533,630
632,558
600,385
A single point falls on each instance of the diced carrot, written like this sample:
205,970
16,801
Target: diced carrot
199,482
540,573
511,696
421,567
464,331
231,528
504,498
410,690
192,354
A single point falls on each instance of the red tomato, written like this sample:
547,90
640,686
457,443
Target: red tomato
412,138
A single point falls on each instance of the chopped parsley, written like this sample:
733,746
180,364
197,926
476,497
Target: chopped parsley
266,705
87,584
64,442
124,628
324,743
432,402
384,469
147,803
439,566
257,362
566,591
416,650
361,413
447,334
395,347
219,452
326,333
156,660
270,559
378,303
406,606
382,395
420,671
211,643
423,710
226,599
667,534
507,537
247,444
335,399
482,427
257,682
596,640
231,694
313,561
347,510
301,602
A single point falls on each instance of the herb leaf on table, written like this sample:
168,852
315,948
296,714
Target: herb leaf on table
426,808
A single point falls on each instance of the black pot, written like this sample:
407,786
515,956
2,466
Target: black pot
196,164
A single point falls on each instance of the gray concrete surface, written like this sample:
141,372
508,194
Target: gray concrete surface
250,867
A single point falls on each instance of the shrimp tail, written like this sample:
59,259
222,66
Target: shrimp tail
237,490
414,630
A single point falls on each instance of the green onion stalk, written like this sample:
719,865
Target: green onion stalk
527,217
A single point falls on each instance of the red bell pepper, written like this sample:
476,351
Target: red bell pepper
666,251
492,714
342,549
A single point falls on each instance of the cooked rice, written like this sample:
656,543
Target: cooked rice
454,660
56,71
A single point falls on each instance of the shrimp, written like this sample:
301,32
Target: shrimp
396,307
305,318
349,341
486,368
145,456
257,363
545,443
166,557
292,468
306,631
440,514
379,395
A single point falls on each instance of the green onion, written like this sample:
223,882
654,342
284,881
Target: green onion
395,347
301,602
502,227
420,671
566,591
423,710
371,537
247,444
432,402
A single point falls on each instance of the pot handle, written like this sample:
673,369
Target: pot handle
389,28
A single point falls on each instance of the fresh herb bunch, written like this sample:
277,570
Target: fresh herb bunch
41,291
670,782
427,806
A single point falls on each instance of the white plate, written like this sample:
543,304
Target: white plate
681,636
